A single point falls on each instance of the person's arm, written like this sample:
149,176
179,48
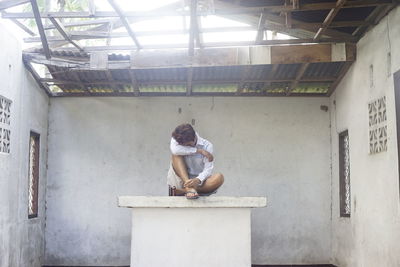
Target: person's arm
208,165
207,171
179,150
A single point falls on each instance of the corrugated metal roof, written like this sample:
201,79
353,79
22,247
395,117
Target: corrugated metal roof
236,80
323,69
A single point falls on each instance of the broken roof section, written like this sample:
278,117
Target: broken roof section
116,47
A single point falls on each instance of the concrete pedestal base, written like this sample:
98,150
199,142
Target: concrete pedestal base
175,232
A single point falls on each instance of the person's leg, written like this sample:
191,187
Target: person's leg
211,184
179,165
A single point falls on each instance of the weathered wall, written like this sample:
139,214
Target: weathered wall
100,148
370,237
21,239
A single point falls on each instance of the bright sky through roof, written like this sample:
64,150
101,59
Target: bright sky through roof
159,24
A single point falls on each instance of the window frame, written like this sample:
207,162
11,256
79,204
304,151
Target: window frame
33,184
396,80
342,176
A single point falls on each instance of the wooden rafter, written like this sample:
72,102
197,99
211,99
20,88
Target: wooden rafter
37,78
260,28
80,83
11,3
342,73
299,75
23,27
117,23
278,23
329,18
192,29
243,79
39,24
288,15
330,32
271,75
111,80
78,35
130,94
92,8
82,23
198,33
189,83
211,45
134,82
169,82
227,56
219,11
125,23
64,33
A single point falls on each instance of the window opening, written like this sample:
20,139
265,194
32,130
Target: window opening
344,176
396,78
34,148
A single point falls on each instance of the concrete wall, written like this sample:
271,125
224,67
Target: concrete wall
100,148
370,237
21,239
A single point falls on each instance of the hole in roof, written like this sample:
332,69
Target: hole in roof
147,5
165,23
164,39
213,21
229,36
40,69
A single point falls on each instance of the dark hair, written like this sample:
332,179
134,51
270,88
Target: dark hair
184,133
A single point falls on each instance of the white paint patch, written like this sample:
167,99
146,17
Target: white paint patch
338,52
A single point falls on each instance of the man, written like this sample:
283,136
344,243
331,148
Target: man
192,164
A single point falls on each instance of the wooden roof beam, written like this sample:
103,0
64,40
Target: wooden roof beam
299,75
288,15
278,23
192,28
63,32
11,3
111,80
271,75
329,18
23,27
243,79
79,81
134,82
229,56
125,23
161,46
260,28
189,82
81,23
39,24
37,78
342,73
92,8
232,10
175,94
169,82
271,18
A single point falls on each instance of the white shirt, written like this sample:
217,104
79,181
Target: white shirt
198,165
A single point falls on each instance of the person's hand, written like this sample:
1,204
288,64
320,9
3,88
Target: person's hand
206,154
192,182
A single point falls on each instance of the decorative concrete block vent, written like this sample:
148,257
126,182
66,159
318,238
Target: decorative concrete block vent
377,126
5,122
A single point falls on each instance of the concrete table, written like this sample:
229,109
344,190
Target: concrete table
176,232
